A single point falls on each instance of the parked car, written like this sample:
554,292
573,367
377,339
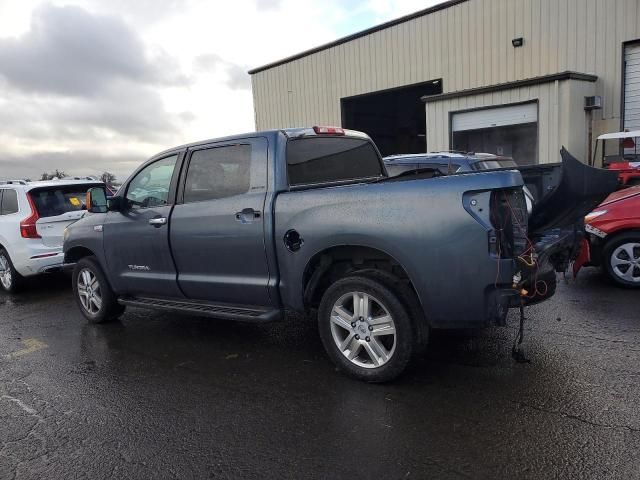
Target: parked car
246,227
447,163
539,179
33,216
613,240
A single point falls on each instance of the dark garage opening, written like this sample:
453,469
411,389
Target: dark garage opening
394,119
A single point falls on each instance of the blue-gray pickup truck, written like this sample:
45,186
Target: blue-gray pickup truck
250,226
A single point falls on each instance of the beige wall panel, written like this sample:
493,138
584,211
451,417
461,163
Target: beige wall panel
467,45
561,118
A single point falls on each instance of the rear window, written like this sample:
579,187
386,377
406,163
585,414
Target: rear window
313,160
51,202
494,164
443,168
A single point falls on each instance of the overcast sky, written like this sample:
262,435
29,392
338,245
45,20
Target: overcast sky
94,85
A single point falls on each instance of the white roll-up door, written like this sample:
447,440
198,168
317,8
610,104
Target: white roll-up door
495,117
632,87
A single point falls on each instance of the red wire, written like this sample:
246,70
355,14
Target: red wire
513,215
529,248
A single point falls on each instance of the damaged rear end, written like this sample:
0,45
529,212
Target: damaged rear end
545,240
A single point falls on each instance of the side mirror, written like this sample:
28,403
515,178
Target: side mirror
97,200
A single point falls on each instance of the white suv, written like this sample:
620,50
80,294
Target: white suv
33,216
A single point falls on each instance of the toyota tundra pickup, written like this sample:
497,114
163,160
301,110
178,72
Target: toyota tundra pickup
247,227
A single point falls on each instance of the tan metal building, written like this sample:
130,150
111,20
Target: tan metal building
498,76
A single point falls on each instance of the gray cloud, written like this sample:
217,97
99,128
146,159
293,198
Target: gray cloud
237,76
130,111
87,84
71,52
74,163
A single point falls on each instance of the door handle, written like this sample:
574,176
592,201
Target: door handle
247,215
158,221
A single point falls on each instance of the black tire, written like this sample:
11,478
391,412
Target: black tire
14,282
409,299
109,309
384,297
611,248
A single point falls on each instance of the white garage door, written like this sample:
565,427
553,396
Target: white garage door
495,117
632,87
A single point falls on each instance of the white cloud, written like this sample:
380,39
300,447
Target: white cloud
117,81
389,9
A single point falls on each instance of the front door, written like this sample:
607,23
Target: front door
217,231
136,239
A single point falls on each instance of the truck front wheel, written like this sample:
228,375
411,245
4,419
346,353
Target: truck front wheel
366,329
93,293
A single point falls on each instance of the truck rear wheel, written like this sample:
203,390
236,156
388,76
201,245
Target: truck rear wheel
366,329
93,293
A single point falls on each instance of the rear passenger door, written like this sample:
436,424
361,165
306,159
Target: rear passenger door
217,229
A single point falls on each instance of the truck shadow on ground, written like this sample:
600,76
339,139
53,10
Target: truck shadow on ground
206,344
218,347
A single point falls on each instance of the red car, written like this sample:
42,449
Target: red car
628,173
613,238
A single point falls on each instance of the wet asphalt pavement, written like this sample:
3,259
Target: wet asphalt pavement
161,395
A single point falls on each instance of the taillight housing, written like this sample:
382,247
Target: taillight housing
328,130
509,219
28,228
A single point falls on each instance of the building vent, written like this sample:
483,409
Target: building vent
593,103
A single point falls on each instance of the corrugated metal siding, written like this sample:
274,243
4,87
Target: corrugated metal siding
561,118
632,87
467,45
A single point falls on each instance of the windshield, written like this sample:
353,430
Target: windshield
494,164
313,160
54,201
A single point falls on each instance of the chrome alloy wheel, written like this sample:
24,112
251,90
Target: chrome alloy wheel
625,262
363,330
89,291
5,273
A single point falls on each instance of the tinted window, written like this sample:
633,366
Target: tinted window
150,187
218,173
329,159
453,168
51,202
444,168
9,202
494,164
